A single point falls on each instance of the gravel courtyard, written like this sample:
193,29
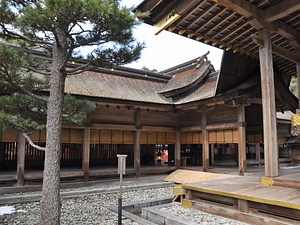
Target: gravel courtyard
92,209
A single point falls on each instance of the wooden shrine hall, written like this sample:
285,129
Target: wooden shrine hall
189,114
186,115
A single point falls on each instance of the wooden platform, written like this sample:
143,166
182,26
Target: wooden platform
245,199
182,176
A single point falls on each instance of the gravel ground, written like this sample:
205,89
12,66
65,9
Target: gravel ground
92,209
198,216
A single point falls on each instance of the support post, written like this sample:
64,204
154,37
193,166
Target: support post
21,160
137,144
86,154
257,152
243,205
177,149
242,140
205,144
137,153
212,153
298,80
121,171
268,105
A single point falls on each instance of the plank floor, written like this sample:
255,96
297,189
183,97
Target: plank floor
251,189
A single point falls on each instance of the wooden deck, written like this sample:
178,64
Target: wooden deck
245,198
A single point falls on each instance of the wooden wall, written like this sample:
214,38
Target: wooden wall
112,115
190,118
160,119
221,115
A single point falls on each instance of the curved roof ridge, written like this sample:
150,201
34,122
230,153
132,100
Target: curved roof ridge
188,65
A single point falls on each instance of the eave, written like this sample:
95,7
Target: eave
233,24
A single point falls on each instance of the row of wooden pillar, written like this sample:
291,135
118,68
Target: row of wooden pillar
205,144
137,149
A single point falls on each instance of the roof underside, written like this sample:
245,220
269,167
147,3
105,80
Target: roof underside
231,24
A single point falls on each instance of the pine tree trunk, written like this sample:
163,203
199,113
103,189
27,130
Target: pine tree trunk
50,203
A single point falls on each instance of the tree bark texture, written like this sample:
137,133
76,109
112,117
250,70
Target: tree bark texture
50,203
21,160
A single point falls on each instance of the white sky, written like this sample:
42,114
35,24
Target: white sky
167,49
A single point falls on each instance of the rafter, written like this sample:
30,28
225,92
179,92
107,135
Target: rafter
278,50
257,18
281,9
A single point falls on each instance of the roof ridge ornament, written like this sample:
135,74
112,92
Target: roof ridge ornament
202,60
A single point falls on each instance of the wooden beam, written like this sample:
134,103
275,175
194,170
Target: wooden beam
165,22
281,9
257,18
21,160
242,141
130,127
286,54
268,106
86,153
278,50
222,126
240,6
205,144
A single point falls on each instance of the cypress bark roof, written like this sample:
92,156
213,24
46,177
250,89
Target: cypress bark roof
185,83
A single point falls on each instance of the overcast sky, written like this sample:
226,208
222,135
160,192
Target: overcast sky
166,49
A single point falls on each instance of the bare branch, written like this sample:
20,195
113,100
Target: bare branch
32,144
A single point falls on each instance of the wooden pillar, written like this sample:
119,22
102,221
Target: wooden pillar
298,79
268,105
205,144
212,153
86,153
257,152
21,160
137,153
137,144
242,140
177,149
2,152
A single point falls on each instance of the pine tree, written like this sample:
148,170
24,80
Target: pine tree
59,28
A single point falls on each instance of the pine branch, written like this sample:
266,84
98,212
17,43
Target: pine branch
37,71
78,70
19,87
32,144
15,35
